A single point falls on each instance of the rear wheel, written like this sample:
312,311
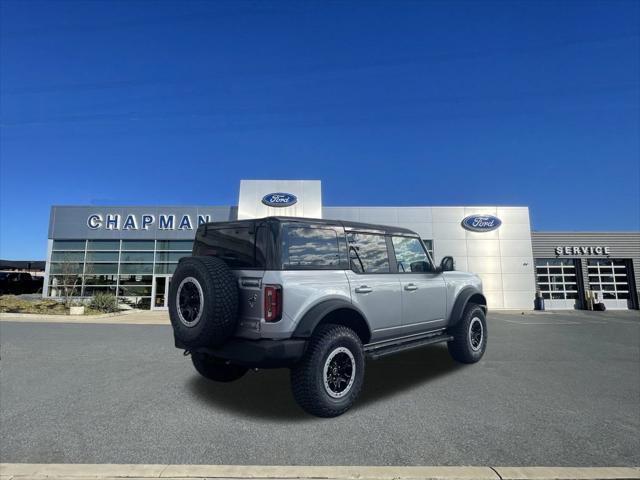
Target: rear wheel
469,335
329,377
216,369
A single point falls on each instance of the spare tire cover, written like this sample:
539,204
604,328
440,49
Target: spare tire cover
203,302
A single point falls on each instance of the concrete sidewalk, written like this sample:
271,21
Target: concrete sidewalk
22,471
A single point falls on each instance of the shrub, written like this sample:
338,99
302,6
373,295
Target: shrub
104,302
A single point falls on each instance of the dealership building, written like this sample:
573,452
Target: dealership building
132,252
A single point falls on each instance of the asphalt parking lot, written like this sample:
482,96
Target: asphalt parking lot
553,389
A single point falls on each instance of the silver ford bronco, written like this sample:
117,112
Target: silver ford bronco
318,296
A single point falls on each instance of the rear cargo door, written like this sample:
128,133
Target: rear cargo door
244,248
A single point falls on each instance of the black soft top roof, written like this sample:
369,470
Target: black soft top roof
349,226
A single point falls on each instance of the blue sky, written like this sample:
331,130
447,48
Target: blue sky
388,103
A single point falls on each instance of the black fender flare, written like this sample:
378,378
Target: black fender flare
317,313
461,303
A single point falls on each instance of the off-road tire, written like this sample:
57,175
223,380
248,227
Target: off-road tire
308,376
219,303
463,348
215,369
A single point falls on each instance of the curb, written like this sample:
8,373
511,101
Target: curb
24,471
127,317
63,315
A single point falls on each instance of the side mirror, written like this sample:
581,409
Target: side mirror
446,265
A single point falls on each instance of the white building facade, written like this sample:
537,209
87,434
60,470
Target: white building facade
132,251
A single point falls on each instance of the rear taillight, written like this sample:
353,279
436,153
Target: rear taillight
272,303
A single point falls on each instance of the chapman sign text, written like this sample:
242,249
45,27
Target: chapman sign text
144,222
590,250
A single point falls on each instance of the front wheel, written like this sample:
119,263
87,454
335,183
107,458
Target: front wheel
469,335
329,377
216,369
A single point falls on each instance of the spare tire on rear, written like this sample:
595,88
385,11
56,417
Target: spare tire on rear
203,302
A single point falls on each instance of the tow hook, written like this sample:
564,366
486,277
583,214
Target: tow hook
186,353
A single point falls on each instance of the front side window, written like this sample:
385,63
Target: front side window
306,247
368,253
410,255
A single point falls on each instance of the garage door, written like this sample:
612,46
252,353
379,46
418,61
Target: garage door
610,280
557,282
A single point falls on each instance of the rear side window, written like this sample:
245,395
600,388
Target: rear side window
307,247
236,246
368,253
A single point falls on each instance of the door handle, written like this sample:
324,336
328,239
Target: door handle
410,287
364,289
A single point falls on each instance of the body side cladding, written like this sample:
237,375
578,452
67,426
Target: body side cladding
336,311
467,295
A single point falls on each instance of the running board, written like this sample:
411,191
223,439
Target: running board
376,351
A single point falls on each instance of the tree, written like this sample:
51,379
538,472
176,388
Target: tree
67,278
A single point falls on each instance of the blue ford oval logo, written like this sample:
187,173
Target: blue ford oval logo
481,223
279,199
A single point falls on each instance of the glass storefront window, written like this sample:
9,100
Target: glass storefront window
66,268
138,244
186,245
136,257
103,245
102,256
136,268
129,291
124,268
165,268
101,268
91,291
162,257
136,279
100,279
67,256
68,245
56,280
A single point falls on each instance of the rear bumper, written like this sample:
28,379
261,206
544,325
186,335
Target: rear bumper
258,353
